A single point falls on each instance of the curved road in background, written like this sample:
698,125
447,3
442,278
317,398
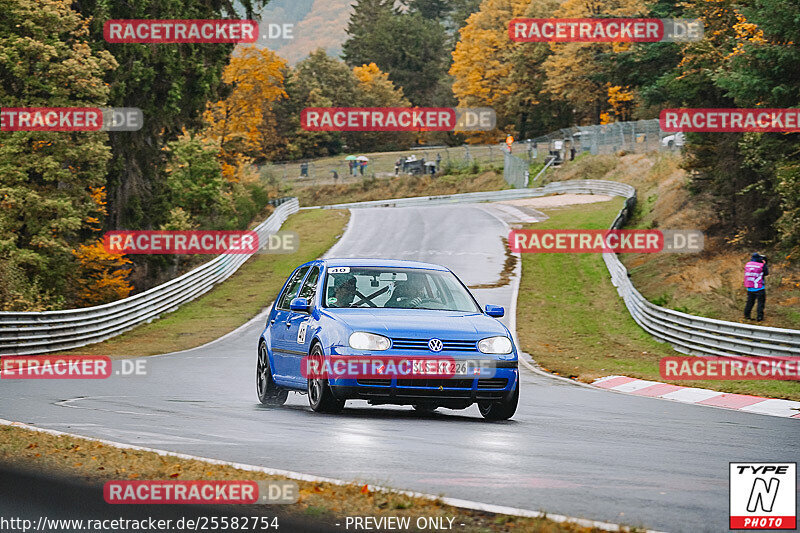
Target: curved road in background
569,450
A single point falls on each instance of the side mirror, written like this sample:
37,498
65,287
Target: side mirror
495,311
300,305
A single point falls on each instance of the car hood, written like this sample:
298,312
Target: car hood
420,323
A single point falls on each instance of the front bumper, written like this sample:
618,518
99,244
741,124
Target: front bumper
458,391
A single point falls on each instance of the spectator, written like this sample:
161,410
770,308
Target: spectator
754,273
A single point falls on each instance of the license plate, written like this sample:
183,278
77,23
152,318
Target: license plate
437,367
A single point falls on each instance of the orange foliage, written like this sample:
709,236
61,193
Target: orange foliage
101,277
235,124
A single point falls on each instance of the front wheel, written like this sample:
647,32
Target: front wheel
501,409
320,396
268,392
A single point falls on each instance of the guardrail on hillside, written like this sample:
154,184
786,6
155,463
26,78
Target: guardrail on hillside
692,334
48,331
686,333
589,186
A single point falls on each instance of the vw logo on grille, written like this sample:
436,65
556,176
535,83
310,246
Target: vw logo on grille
435,345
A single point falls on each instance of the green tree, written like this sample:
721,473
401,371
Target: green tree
764,72
48,180
323,81
171,83
317,81
194,178
742,62
416,62
364,19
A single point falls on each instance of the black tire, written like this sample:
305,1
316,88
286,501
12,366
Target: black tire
320,396
268,393
425,408
501,409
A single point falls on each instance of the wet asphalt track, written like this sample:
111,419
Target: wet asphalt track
569,449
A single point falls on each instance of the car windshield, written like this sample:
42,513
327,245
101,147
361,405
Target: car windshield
402,288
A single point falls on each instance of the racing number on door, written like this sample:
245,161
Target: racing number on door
301,333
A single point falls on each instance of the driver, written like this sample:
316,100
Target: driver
344,290
408,294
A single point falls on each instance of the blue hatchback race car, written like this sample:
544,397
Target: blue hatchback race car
332,313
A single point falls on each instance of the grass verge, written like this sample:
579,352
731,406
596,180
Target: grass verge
399,187
234,302
94,462
573,323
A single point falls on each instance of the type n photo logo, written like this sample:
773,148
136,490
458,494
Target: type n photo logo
763,496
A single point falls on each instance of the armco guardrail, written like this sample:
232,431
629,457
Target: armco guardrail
686,333
585,187
48,331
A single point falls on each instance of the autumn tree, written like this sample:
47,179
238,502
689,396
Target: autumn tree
236,123
484,63
101,276
575,72
375,89
736,171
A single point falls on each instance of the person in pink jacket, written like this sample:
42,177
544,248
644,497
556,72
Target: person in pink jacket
755,272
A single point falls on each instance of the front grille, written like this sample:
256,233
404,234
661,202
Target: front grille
492,383
422,344
444,383
379,382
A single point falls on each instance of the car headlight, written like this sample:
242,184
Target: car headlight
495,345
361,340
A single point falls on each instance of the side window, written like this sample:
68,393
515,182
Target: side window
310,286
291,288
